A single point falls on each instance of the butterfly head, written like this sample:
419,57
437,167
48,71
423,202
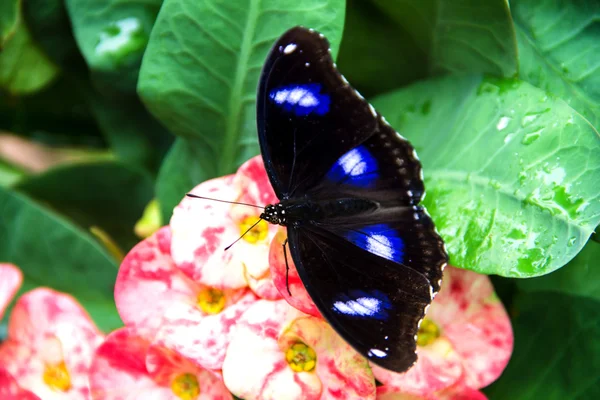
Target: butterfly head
275,214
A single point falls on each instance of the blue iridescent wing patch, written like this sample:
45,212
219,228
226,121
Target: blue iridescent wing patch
360,303
379,239
301,100
356,167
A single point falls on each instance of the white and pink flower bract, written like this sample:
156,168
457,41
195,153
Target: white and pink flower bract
128,367
279,352
162,303
203,228
10,282
51,340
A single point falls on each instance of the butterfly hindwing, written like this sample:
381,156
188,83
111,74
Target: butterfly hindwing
375,304
404,235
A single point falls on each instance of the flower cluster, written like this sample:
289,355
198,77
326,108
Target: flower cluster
203,323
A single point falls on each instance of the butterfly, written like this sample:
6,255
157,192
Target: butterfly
349,188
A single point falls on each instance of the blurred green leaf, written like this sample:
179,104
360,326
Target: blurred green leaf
559,50
112,36
458,36
581,276
24,68
8,19
512,173
50,27
58,115
186,165
55,253
130,130
556,354
109,195
9,174
200,71
377,54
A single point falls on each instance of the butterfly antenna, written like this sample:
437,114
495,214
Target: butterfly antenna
243,234
222,201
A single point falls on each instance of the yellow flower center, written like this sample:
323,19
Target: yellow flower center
428,332
301,358
57,377
256,234
185,386
211,300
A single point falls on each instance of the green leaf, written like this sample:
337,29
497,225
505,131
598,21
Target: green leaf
559,50
200,71
185,166
53,252
377,54
108,195
8,19
130,130
112,36
511,173
581,276
459,36
556,354
50,26
9,174
24,68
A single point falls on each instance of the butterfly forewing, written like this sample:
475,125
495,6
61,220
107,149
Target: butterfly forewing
307,115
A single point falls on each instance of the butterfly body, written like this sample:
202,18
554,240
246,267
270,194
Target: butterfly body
349,188
297,212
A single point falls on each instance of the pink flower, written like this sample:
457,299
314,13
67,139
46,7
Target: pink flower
203,228
279,352
50,344
128,367
10,281
10,389
466,339
164,304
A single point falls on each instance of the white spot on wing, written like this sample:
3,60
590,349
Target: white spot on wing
377,353
289,49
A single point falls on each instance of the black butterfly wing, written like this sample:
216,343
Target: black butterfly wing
375,304
309,117
404,235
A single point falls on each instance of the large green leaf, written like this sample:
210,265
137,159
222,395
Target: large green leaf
8,19
24,68
377,54
108,195
581,276
200,71
511,173
559,50
112,36
52,252
459,36
186,165
556,354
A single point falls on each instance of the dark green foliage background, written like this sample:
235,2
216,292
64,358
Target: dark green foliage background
502,103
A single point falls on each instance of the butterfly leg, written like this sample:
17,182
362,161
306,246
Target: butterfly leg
287,268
